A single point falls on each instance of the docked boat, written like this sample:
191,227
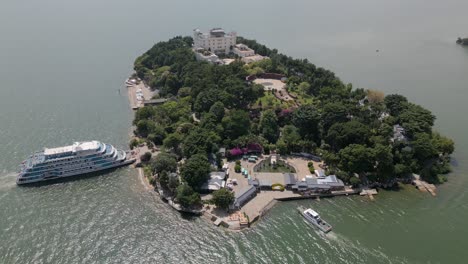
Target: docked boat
314,218
130,82
76,159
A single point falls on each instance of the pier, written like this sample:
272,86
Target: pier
424,186
369,192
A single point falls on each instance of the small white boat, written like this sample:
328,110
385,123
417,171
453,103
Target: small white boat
314,218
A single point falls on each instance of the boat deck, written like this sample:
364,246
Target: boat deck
322,225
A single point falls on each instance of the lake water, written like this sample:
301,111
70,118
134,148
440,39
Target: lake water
62,66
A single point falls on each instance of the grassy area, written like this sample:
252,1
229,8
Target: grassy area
302,96
265,166
270,101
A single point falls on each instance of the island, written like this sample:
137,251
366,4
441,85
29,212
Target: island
233,126
462,41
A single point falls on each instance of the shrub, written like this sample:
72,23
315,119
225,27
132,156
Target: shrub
238,162
133,143
355,181
277,186
145,157
152,181
237,168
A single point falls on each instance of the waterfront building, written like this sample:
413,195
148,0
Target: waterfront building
323,184
243,197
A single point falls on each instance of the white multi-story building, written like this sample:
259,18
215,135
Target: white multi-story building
216,40
243,50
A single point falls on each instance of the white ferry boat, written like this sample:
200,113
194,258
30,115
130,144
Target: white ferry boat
314,218
79,158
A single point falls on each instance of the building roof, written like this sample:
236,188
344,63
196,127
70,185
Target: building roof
218,175
320,173
155,101
253,182
289,178
265,183
215,182
244,196
323,183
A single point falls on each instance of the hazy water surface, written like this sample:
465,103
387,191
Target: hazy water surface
62,66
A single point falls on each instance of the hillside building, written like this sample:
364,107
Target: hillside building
216,40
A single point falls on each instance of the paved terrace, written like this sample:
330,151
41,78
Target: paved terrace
147,95
280,87
255,207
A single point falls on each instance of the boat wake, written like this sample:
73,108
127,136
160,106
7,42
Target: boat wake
354,246
7,180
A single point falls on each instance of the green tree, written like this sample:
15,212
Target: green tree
384,159
222,198
145,157
415,119
443,144
184,92
395,103
195,171
173,141
186,196
343,134
236,123
144,127
290,136
306,118
217,109
173,184
282,147
164,162
355,181
304,87
157,135
334,112
356,158
401,170
143,113
200,140
164,179
423,147
269,126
